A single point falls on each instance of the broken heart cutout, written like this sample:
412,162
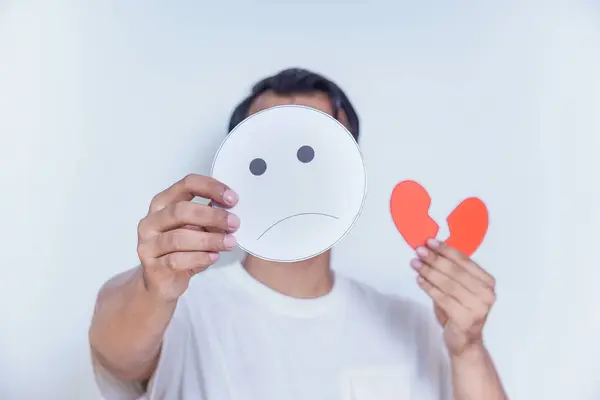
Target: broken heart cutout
409,205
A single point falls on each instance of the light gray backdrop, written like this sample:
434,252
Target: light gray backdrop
103,104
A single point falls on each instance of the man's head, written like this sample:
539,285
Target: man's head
303,158
301,87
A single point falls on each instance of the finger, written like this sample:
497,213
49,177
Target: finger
188,213
448,304
192,186
213,229
447,285
462,260
457,273
194,228
193,262
197,270
185,240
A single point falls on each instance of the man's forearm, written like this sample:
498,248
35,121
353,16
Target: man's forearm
128,326
474,376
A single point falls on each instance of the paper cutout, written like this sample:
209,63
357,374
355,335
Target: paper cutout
409,205
300,178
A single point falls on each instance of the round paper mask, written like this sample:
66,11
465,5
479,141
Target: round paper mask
300,178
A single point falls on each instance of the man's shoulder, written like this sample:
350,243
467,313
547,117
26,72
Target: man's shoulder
218,280
389,308
372,296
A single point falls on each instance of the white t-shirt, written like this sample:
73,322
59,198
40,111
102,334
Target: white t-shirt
233,338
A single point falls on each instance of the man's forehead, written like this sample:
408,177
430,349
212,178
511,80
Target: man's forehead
316,100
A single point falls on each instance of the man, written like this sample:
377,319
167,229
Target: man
262,330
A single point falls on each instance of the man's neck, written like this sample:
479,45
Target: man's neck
304,279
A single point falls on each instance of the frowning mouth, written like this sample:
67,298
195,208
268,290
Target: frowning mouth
292,216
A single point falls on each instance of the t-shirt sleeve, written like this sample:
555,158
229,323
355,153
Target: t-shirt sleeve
112,388
166,382
434,359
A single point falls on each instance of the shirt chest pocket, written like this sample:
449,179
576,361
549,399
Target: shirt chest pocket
376,383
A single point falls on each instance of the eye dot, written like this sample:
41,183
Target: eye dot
305,154
258,166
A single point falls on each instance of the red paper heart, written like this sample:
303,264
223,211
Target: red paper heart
409,205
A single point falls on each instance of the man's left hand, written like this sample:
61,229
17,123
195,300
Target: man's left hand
462,292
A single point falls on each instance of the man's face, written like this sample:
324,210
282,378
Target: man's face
299,175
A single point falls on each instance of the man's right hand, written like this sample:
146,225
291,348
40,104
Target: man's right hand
179,238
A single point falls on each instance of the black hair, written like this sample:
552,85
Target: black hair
296,80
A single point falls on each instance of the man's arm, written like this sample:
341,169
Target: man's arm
474,376
176,240
128,326
463,295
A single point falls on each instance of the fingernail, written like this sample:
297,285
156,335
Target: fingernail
416,264
213,256
433,243
422,251
230,197
229,242
233,221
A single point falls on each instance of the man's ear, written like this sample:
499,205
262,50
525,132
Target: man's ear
343,118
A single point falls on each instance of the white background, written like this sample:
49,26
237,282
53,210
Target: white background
103,105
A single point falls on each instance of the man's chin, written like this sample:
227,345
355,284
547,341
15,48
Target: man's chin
286,248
